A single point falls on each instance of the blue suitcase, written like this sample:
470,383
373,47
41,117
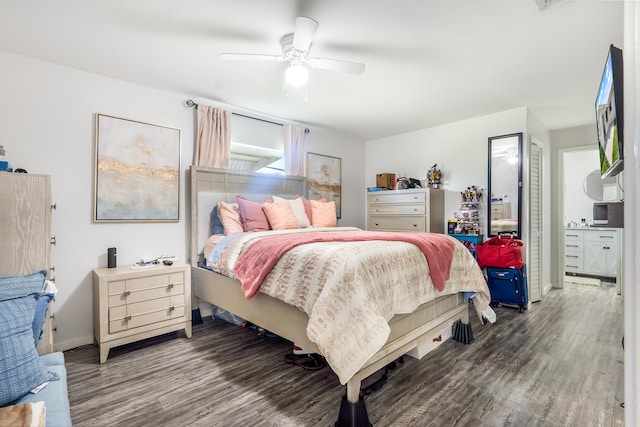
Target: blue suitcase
508,286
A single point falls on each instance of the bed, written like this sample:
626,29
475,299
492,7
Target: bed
417,321
504,226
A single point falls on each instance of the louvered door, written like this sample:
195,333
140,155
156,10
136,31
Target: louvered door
535,223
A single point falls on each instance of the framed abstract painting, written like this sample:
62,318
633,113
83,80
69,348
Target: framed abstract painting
137,171
324,178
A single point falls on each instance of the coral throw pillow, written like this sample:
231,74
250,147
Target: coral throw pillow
298,210
280,215
230,218
323,214
252,215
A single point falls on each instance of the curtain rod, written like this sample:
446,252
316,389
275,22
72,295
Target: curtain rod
190,103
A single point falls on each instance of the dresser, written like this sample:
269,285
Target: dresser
500,210
134,304
593,251
25,232
420,210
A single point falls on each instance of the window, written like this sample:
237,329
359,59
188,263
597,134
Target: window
252,158
256,146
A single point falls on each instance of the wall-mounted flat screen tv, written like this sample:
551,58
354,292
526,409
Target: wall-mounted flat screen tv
609,115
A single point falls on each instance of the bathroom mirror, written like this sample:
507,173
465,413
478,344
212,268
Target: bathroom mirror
601,189
505,185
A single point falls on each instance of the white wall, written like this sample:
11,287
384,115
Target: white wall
577,165
631,280
48,115
460,149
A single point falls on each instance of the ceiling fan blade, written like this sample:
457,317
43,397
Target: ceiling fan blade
251,56
304,32
337,65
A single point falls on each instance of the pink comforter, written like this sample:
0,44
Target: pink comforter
255,263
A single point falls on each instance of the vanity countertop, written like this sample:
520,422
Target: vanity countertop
589,228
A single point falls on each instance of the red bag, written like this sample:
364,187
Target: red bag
501,251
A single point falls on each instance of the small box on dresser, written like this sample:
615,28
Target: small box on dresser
134,304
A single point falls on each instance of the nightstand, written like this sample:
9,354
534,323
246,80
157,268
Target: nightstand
131,304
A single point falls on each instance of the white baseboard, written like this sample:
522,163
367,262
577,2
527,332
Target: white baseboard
74,343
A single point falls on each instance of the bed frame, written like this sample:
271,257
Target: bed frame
415,334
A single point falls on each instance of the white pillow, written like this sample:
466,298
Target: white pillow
298,210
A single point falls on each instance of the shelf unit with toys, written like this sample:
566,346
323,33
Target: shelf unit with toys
469,219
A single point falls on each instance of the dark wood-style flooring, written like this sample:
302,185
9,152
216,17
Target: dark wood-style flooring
558,364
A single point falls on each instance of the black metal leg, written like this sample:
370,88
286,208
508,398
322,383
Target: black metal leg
353,414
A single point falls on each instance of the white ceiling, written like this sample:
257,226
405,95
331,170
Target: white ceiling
427,62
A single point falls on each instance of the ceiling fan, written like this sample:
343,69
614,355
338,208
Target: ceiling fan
295,49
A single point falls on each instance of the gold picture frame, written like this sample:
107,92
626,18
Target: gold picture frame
137,171
324,179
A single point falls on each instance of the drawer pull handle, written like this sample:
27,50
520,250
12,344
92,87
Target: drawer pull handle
572,235
126,293
170,286
572,256
172,308
606,237
127,318
377,224
572,266
572,246
415,225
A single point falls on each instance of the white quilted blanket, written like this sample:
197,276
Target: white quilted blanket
350,290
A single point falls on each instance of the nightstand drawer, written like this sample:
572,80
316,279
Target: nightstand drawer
408,223
143,313
130,297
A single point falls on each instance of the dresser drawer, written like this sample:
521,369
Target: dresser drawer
573,260
601,235
399,209
143,313
406,223
571,235
396,198
573,246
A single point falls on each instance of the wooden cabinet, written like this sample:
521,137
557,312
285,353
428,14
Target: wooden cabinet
25,232
134,304
420,210
593,251
601,252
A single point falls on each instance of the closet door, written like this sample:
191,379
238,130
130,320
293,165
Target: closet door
534,270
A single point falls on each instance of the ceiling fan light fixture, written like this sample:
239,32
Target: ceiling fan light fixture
296,75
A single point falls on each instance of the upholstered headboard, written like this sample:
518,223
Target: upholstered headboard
209,186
